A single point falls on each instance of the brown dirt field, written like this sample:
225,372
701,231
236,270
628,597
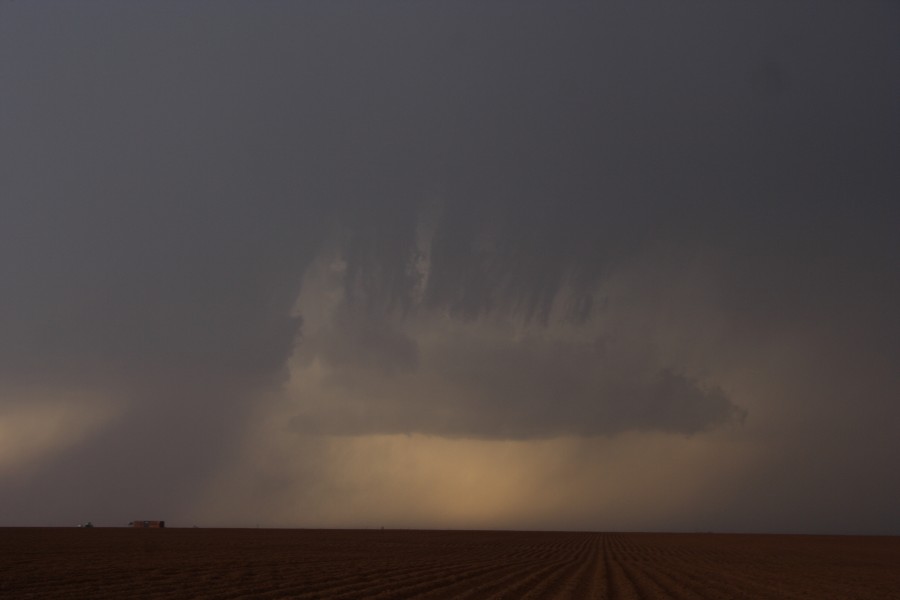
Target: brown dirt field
270,563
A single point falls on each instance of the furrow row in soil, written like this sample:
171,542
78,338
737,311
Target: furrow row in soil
433,565
621,587
420,585
594,582
517,587
562,583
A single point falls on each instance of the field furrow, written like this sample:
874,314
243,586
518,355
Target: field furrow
621,587
520,586
421,583
562,583
432,565
481,580
593,584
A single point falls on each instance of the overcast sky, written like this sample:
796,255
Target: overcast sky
538,265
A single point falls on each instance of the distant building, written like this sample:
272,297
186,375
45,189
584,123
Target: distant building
148,524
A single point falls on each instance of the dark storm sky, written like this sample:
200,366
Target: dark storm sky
268,246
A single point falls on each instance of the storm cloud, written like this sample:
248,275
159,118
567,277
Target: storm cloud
242,244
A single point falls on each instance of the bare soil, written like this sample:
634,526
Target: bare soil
271,563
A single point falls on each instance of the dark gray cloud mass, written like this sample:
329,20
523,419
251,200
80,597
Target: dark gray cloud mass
468,220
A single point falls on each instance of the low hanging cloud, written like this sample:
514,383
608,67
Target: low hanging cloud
423,370
503,389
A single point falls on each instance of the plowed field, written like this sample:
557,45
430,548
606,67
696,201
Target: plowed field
265,563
